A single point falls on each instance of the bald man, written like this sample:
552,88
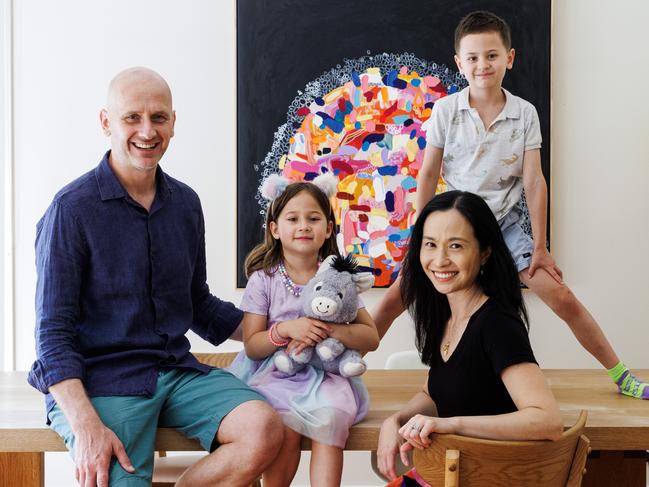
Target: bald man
120,256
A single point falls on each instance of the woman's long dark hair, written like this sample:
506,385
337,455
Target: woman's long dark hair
499,278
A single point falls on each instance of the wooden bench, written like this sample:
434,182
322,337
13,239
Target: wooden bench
618,426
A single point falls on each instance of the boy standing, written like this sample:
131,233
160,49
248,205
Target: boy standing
487,141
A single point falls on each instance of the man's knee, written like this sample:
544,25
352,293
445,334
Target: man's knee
270,428
266,430
254,424
257,432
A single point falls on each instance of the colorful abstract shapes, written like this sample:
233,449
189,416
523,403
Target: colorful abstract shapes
368,133
362,121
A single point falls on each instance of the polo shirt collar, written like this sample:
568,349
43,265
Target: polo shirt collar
463,99
511,109
110,187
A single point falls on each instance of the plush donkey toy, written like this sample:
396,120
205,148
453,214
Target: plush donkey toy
330,296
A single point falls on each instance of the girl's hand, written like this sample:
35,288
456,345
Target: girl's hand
418,429
388,447
306,330
296,346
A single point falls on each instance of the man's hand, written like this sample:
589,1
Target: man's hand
95,446
541,259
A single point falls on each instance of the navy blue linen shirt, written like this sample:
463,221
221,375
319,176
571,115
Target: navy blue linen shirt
119,286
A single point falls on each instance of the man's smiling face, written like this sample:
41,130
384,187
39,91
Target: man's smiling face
139,120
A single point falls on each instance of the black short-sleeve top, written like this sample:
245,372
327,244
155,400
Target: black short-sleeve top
469,383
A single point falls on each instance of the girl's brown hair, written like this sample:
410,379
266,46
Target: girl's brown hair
268,254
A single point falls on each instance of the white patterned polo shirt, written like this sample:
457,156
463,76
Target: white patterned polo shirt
486,161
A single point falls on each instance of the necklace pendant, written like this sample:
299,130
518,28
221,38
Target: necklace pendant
445,348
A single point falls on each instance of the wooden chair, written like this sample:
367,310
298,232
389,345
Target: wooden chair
167,470
457,461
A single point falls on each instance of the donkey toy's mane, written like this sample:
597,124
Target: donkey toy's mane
345,264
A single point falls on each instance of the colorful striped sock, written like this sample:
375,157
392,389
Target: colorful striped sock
627,383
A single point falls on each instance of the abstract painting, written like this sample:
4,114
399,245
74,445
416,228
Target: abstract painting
306,105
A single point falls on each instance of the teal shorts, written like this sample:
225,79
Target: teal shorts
186,400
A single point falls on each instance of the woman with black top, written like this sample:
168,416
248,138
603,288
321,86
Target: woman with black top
462,289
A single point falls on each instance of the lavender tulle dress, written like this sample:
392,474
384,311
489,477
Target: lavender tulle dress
316,404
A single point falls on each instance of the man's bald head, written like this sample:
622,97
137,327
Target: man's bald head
139,119
138,75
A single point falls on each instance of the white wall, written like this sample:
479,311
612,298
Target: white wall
3,73
67,51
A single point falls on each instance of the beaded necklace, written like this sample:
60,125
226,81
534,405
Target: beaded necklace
288,282
290,286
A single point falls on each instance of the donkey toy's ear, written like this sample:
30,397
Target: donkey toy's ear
363,281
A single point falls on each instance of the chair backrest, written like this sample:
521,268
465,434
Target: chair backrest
220,360
458,461
407,359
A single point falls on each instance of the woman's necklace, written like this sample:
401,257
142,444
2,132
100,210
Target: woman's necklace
446,346
288,282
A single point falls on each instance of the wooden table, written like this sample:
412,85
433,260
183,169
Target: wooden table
618,427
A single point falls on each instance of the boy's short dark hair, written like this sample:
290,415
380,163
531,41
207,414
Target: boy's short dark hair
482,21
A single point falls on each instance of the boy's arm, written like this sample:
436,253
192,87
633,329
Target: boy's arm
390,307
428,176
536,194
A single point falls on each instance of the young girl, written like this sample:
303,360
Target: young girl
320,405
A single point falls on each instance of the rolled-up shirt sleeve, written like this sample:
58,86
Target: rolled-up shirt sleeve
60,254
214,319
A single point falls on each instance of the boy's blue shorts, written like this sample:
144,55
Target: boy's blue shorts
186,400
520,244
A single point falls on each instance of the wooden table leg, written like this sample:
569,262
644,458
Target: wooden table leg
608,468
23,469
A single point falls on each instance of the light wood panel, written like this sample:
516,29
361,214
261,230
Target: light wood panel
22,469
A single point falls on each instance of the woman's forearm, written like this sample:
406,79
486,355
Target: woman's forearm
421,403
527,424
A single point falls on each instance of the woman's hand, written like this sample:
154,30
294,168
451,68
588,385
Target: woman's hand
306,330
417,430
388,447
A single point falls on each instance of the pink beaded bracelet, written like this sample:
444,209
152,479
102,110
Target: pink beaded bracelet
275,338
